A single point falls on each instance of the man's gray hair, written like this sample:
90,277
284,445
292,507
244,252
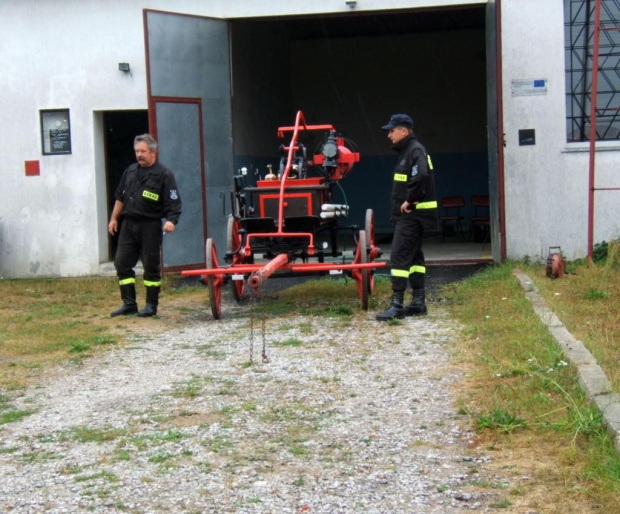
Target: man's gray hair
148,139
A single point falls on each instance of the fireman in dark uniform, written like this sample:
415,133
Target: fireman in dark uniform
414,208
146,194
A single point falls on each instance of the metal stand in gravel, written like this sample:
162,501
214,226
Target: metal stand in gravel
253,299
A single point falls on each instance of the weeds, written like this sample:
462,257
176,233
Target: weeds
14,415
499,420
522,392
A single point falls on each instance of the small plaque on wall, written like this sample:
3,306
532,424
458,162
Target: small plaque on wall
527,137
529,87
55,132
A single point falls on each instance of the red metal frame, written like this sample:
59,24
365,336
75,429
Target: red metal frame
261,272
300,124
263,197
239,269
593,99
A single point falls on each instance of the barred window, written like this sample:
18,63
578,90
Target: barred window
579,49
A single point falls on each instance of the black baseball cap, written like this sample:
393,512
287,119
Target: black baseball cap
399,120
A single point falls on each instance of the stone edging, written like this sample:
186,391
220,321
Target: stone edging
592,378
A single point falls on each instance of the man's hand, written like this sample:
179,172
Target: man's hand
113,227
406,207
168,226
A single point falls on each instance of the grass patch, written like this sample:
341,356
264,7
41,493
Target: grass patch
295,343
101,475
521,394
588,302
14,415
324,297
46,321
85,434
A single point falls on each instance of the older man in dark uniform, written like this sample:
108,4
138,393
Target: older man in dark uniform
146,194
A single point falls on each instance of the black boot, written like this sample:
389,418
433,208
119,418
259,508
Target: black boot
417,307
395,310
128,295
152,300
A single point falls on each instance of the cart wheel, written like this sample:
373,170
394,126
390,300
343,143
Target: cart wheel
362,277
369,226
233,241
214,282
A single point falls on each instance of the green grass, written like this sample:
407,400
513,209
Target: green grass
521,393
13,416
86,434
43,322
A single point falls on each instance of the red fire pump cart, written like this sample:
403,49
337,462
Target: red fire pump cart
290,217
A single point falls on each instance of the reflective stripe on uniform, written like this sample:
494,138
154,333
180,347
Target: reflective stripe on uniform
426,205
430,163
125,281
399,273
149,283
417,269
400,177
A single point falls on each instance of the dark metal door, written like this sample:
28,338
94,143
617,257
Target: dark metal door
495,130
188,77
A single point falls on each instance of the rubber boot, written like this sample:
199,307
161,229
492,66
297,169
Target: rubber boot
128,295
395,310
417,307
152,300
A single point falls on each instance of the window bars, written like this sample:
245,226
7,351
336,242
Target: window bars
580,33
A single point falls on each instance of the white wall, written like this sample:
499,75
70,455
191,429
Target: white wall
60,55
546,185
65,54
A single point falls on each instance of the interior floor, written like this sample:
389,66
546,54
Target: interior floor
436,251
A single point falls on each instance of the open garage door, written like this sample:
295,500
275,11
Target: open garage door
189,91
495,130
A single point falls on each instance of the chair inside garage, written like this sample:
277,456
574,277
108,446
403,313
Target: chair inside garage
451,218
480,222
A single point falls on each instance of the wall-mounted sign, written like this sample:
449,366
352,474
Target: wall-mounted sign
527,137
55,132
529,87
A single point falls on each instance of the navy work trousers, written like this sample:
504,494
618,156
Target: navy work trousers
406,257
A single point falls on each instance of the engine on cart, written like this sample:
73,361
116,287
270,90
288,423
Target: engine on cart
288,216
307,186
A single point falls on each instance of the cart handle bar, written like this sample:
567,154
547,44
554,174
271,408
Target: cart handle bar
240,269
300,124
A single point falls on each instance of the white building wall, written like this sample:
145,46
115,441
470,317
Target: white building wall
546,185
65,54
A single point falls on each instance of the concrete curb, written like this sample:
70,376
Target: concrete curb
592,378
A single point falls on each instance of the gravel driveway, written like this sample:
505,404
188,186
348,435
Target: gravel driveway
349,415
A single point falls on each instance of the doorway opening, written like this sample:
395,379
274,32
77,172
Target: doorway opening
354,71
120,129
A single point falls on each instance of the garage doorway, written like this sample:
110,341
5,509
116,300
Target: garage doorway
354,71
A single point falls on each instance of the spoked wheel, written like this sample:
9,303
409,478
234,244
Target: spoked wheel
373,251
361,275
233,241
214,282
